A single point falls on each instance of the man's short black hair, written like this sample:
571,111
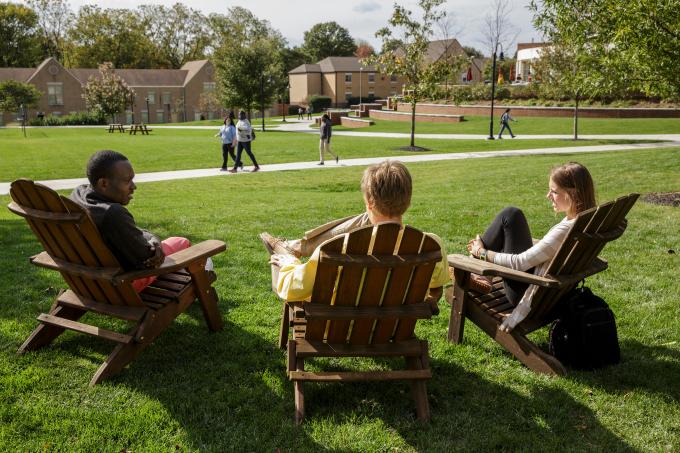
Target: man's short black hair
101,163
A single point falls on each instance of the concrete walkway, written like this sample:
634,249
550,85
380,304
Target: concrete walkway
62,184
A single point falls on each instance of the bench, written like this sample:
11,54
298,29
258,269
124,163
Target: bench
116,127
141,128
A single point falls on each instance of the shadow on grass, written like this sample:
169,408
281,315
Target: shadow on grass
643,367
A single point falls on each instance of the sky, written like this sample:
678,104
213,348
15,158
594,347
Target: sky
361,17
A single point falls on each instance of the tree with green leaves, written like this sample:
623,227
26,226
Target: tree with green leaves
248,64
55,18
107,94
638,42
19,44
328,39
14,95
179,33
404,47
115,35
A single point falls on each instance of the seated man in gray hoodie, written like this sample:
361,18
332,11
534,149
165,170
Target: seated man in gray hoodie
110,189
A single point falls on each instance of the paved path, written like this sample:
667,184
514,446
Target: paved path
59,184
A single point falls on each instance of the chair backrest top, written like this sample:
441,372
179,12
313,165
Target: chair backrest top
69,235
591,231
370,269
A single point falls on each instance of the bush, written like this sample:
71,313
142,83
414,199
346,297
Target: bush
320,103
293,109
75,119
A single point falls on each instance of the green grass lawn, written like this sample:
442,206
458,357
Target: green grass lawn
534,126
198,391
50,153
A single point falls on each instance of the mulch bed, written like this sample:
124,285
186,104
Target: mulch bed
663,198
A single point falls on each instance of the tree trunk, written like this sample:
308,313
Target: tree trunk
413,122
576,118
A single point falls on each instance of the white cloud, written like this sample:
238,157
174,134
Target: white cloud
366,7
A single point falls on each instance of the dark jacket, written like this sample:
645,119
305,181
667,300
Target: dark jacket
325,130
129,244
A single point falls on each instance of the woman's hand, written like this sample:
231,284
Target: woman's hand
475,246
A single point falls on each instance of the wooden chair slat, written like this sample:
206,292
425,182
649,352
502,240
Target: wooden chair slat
419,287
349,283
324,285
411,241
374,283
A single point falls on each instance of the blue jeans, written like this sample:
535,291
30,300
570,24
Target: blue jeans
505,126
239,149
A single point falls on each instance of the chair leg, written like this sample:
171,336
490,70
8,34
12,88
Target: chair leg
121,355
285,320
299,402
457,318
206,295
44,334
419,387
530,354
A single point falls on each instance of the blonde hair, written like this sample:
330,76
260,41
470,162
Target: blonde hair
388,187
575,179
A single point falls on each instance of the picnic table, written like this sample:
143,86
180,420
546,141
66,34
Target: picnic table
113,127
141,128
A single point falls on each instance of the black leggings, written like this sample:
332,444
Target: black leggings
239,149
509,233
227,150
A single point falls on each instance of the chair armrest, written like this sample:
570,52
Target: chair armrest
177,261
469,264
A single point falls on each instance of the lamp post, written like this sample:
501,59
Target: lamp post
493,88
361,71
262,99
148,116
132,107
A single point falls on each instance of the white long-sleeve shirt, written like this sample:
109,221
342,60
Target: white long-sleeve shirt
539,257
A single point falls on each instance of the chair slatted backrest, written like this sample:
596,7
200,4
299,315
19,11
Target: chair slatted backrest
587,237
387,265
69,235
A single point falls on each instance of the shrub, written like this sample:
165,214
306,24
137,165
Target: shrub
74,119
293,109
320,103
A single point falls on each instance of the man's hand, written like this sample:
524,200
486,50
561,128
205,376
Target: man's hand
158,256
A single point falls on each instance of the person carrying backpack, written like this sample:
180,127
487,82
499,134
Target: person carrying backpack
505,123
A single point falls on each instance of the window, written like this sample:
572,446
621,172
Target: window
371,93
55,93
393,78
348,77
371,77
208,86
348,94
160,116
166,98
128,117
145,116
151,96
198,116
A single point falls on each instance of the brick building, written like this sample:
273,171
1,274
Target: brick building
161,95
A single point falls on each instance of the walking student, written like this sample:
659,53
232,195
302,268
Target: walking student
325,131
505,123
244,137
227,134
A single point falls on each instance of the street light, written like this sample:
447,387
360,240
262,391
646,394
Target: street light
361,70
148,116
262,98
493,87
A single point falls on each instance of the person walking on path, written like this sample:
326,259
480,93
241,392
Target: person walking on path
325,131
310,110
505,123
244,137
228,135
300,112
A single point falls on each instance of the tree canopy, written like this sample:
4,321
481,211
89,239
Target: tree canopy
19,45
638,42
14,94
328,39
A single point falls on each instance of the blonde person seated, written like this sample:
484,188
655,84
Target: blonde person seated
507,241
386,189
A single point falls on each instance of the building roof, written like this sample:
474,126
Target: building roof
305,69
437,49
133,77
531,45
18,74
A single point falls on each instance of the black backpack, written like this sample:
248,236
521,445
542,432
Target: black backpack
584,334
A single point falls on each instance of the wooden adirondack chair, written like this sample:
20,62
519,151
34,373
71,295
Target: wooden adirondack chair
575,260
98,284
365,303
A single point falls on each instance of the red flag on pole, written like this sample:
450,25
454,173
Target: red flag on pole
469,74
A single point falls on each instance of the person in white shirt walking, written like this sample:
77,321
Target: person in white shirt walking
244,137
507,241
